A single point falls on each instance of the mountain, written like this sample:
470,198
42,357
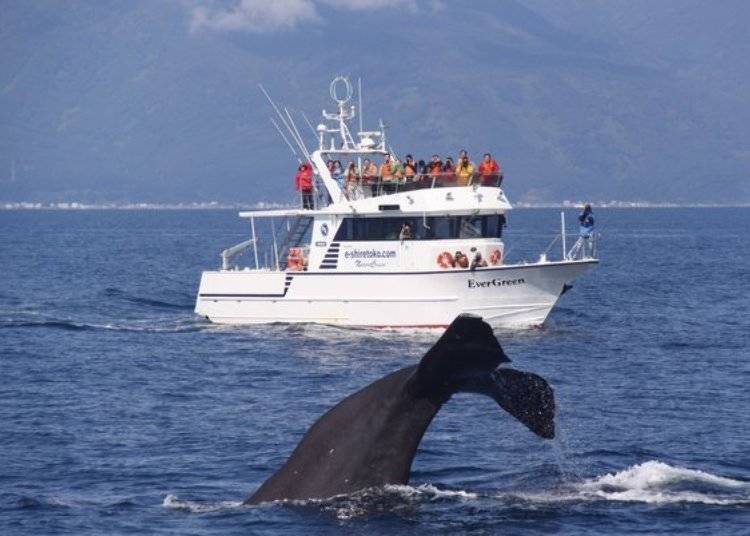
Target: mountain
147,101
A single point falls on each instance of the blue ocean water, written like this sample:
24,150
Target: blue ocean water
123,413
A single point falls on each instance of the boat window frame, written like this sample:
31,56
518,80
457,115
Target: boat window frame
378,229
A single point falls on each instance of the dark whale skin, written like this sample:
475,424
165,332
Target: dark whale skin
369,439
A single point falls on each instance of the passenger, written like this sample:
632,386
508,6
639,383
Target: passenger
489,171
353,189
448,174
369,176
478,261
461,260
435,167
337,172
410,168
303,183
405,233
387,174
464,170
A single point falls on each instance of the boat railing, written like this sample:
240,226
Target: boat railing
360,187
585,246
229,253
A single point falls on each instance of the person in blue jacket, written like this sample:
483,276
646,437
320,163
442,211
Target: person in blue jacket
587,221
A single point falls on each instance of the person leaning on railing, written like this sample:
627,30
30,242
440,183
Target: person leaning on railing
370,176
448,173
489,171
464,170
352,182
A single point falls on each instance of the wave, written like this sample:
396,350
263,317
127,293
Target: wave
150,302
183,326
197,507
652,482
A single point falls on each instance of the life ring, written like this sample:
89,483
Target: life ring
445,260
295,261
495,257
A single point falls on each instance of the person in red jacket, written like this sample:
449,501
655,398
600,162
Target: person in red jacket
489,171
303,182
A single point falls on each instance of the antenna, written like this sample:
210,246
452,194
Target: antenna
359,96
309,124
286,140
300,141
300,145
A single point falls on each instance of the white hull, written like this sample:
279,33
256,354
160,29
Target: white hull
505,296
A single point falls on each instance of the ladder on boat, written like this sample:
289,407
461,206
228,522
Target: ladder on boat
294,236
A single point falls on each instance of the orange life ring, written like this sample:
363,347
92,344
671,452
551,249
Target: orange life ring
295,260
445,260
495,257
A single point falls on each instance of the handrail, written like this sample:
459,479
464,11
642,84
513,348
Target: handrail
388,184
230,252
584,248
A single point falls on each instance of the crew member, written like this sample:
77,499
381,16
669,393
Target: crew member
587,221
303,183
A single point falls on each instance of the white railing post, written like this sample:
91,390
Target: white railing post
562,233
275,246
255,242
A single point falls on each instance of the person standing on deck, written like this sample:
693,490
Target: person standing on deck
464,170
587,221
489,171
303,183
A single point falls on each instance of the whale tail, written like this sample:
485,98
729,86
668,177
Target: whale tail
466,359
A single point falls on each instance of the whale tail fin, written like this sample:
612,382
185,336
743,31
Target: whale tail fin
526,396
466,359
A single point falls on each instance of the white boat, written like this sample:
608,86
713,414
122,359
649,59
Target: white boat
350,261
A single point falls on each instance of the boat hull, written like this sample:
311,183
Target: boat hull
509,296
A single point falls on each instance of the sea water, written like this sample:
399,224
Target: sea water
121,412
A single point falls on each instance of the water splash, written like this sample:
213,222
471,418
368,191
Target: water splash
652,482
198,507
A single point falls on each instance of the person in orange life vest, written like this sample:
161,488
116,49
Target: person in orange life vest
489,171
435,167
386,172
370,176
303,182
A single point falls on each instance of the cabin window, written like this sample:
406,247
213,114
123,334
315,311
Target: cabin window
438,228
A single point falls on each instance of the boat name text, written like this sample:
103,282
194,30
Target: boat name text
473,283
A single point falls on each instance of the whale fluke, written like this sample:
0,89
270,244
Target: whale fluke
370,438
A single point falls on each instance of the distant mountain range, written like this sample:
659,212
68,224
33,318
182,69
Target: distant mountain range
143,101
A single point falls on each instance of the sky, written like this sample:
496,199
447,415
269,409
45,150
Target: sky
158,100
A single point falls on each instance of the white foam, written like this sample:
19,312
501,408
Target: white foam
651,482
653,474
430,491
173,503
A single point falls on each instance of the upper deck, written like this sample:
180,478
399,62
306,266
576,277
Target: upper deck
422,197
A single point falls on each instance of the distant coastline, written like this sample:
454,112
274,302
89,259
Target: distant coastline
214,205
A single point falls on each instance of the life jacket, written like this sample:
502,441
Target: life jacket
488,168
386,170
303,178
